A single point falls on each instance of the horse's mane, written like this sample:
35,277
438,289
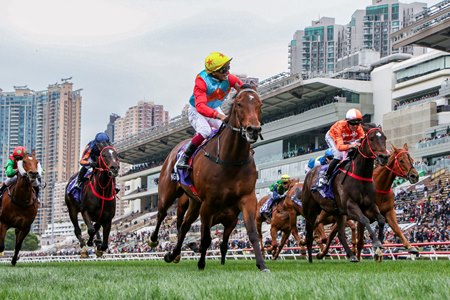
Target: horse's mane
367,126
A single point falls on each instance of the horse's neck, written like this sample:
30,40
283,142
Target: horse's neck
233,147
384,177
363,166
23,190
102,179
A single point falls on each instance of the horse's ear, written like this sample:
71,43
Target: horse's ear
405,146
379,126
393,147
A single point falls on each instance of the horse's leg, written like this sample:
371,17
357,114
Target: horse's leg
341,221
104,245
360,242
181,210
205,241
248,208
3,230
191,216
96,232
91,230
355,213
73,214
330,238
391,218
165,201
274,237
20,236
353,230
259,229
284,238
226,236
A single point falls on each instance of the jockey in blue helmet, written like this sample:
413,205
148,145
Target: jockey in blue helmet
320,160
90,155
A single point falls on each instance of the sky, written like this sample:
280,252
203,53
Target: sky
123,51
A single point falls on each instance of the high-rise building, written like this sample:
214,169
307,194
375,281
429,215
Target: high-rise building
17,122
111,126
59,119
138,118
314,50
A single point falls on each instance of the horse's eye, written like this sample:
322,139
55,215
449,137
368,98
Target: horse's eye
401,160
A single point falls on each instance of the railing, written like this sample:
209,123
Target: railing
336,252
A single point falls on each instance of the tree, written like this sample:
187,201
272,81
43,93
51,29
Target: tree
31,242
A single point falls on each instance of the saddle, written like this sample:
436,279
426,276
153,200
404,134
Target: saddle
76,193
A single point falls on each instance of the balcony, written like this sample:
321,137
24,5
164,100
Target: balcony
435,147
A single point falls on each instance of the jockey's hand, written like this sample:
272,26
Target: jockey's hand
355,144
221,117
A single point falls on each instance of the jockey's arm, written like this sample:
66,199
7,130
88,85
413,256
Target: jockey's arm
201,99
9,169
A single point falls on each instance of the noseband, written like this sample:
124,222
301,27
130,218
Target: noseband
102,165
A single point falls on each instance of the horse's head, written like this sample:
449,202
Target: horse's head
401,164
28,167
373,144
245,115
109,161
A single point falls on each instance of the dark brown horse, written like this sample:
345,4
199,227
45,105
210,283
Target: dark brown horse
354,193
400,164
98,201
19,204
224,174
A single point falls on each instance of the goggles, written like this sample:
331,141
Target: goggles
224,69
354,122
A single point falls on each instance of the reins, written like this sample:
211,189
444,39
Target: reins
396,173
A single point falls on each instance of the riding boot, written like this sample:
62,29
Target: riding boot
2,190
80,177
36,190
183,161
323,180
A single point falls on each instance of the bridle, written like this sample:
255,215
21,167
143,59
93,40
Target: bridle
366,139
401,173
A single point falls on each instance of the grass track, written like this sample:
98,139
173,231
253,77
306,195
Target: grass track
236,280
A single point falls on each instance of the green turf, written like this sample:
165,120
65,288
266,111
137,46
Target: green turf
236,280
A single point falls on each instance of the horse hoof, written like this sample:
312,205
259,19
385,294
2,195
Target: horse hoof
320,256
266,270
14,262
413,250
353,259
99,253
2,253
177,259
90,243
84,255
378,256
153,244
167,257
201,265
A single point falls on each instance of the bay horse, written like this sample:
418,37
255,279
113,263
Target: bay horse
98,201
224,175
354,193
19,203
399,164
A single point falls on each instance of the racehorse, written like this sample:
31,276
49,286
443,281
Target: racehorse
400,164
284,219
98,201
224,175
353,190
19,203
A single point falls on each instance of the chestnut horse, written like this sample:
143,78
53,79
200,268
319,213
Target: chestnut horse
98,201
354,193
400,164
19,203
224,174
284,219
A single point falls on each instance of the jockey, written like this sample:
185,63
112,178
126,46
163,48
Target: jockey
278,189
342,136
91,154
11,171
212,86
320,160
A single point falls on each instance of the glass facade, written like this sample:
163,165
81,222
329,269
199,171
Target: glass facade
424,68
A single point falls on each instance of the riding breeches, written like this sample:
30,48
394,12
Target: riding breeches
10,180
202,124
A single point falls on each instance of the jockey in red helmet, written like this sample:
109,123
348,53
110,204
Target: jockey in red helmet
212,85
90,155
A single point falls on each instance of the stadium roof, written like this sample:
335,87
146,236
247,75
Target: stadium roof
282,96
